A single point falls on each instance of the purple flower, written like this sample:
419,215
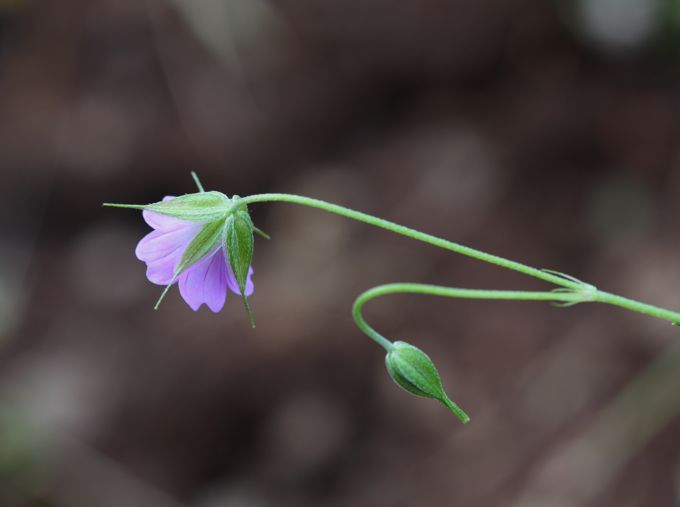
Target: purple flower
206,281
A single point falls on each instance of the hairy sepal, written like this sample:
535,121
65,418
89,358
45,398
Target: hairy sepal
198,207
206,241
239,245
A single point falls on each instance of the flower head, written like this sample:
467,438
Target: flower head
205,281
202,241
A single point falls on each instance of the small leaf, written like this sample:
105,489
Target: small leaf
239,243
563,275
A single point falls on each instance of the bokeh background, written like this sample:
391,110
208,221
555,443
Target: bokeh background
546,132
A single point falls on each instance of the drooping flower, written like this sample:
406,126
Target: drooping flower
205,281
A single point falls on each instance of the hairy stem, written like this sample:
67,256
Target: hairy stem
577,291
412,233
449,292
637,306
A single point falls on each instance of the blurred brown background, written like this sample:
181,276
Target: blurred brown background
546,132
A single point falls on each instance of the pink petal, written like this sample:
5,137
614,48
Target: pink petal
162,249
164,222
205,282
233,284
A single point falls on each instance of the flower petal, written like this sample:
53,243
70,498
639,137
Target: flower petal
205,282
163,222
233,283
162,249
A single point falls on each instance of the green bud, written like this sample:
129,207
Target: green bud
239,243
415,372
199,207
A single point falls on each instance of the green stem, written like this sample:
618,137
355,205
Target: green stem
449,292
581,292
412,233
637,306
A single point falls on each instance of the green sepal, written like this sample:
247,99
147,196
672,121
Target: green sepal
198,207
415,372
239,244
206,241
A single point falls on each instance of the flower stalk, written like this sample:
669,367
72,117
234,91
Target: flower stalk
205,241
566,281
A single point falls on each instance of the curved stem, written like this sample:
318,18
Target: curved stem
582,292
412,233
450,292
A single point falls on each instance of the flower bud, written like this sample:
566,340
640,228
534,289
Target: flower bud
415,372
